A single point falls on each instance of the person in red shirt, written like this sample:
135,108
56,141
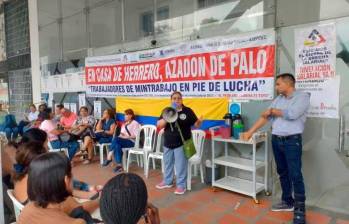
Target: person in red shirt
68,118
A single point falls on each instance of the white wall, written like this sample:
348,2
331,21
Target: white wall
105,24
300,11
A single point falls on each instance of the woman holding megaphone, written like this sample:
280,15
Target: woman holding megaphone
177,122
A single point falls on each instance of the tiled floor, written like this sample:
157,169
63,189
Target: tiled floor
203,205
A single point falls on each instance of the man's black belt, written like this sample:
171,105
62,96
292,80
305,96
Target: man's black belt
287,137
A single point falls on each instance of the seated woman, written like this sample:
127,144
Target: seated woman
42,113
49,193
50,127
28,119
58,113
105,127
68,118
125,200
26,153
42,107
83,127
126,139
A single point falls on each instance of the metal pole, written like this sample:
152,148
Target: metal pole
87,18
60,29
341,132
123,20
155,17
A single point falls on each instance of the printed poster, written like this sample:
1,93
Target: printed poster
315,61
82,100
97,105
66,105
73,108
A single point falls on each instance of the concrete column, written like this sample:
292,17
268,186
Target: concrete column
34,50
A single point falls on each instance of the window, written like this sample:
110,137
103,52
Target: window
17,28
147,20
208,3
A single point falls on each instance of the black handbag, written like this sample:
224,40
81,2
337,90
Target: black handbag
80,213
67,137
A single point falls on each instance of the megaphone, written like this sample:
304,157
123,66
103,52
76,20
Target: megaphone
170,115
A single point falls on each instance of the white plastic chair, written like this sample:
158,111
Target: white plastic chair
103,146
199,140
148,146
158,154
51,149
16,204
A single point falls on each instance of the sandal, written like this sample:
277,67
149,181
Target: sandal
118,169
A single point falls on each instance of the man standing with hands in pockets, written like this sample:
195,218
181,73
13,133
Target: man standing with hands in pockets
287,114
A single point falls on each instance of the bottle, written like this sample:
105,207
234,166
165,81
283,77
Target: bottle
238,126
228,120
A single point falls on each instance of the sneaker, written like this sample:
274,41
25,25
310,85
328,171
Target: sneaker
282,207
299,213
162,185
179,190
106,162
299,216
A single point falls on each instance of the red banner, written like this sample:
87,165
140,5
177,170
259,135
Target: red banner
240,67
256,62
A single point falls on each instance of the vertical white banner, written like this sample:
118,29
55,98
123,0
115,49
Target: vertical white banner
82,100
97,109
73,108
315,59
66,105
50,99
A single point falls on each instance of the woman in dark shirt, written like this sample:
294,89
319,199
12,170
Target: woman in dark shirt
105,127
173,144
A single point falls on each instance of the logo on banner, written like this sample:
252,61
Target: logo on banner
166,52
147,55
314,39
182,48
125,58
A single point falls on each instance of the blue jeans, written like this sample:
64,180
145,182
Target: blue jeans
175,158
102,138
116,146
79,185
72,146
21,126
10,131
288,159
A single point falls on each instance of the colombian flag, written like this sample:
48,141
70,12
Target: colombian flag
148,110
